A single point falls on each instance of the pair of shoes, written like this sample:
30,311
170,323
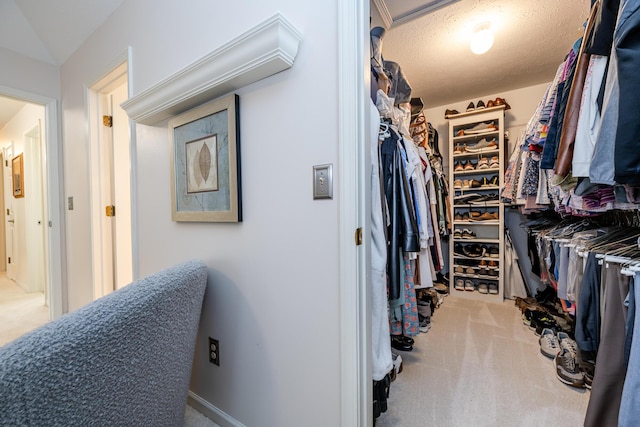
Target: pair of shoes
567,370
469,286
400,342
501,101
483,163
468,234
481,127
478,106
490,182
448,113
472,251
549,344
486,216
482,145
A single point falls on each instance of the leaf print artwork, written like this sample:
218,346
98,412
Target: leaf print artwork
202,165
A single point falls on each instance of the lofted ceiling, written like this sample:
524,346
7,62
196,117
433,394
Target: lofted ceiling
428,38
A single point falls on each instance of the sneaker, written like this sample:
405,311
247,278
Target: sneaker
459,286
468,234
483,163
494,162
465,183
458,269
549,344
493,288
483,145
425,325
494,252
566,343
483,288
480,105
457,184
471,107
468,286
541,320
459,166
493,265
566,369
469,166
457,234
481,128
458,149
470,270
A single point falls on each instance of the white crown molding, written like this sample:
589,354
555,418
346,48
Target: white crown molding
391,21
264,50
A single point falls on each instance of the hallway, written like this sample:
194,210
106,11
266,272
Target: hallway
20,312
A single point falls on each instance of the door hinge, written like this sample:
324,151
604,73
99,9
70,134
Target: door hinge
358,236
110,210
9,261
6,162
107,121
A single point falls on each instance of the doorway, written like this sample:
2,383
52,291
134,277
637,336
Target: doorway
30,231
110,153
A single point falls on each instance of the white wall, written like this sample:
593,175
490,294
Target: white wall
25,251
272,298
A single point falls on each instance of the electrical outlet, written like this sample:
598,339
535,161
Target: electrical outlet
214,351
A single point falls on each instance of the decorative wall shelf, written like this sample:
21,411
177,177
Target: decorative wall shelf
264,50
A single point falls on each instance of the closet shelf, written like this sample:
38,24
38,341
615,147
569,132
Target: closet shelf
468,154
492,231
474,112
477,136
477,240
477,171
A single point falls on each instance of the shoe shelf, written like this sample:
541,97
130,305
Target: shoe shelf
467,154
488,233
477,137
477,171
498,108
476,240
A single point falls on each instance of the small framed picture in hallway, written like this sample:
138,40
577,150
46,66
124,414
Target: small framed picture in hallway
17,174
205,163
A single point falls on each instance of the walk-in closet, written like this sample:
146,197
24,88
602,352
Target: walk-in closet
505,223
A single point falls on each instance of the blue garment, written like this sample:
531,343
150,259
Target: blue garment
587,331
629,416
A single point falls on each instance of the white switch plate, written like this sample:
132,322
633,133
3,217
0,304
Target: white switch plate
323,181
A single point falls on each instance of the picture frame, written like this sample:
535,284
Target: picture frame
17,173
205,163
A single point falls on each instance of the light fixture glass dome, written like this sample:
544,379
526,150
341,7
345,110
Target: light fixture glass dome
482,38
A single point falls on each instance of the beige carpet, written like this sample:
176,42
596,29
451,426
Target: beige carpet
480,366
20,312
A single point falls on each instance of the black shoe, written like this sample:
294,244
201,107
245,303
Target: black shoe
448,113
471,107
541,320
480,105
398,343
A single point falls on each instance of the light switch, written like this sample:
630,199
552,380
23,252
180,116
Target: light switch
323,181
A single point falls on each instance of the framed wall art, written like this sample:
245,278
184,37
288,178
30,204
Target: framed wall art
205,163
17,173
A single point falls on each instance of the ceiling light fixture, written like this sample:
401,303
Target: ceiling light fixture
482,38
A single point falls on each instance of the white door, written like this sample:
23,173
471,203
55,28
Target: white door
111,185
7,154
35,221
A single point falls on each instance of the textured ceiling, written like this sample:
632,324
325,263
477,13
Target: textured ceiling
531,39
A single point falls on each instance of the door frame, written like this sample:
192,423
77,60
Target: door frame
55,252
354,185
120,66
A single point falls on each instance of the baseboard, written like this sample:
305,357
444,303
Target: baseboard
212,412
